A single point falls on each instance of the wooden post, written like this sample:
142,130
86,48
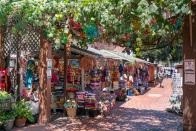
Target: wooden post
83,79
2,57
44,82
189,91
65,70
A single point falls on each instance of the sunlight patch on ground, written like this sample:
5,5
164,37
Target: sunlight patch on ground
149,121
154,95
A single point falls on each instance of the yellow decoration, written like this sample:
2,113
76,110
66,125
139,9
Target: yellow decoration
136,25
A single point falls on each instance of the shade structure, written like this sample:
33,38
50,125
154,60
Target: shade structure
130,58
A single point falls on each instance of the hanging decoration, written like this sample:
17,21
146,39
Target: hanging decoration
64,40
153,24
29,73
136,25
179,23
91,32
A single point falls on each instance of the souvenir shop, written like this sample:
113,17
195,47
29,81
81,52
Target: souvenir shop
140,76
88,85
93,82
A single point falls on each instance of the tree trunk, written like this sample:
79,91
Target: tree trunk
44,82
189,91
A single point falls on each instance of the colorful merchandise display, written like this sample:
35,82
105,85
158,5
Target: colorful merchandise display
57,85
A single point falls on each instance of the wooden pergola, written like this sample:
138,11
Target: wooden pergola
34,42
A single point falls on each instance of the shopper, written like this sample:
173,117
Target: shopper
161,77
130,81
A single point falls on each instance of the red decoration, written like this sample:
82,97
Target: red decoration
173,21
82,35
71,89
153,21
4,82
71,21
128,37
77,26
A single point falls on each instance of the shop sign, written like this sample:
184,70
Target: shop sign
49,73
49,63
74,62
177,84
189,72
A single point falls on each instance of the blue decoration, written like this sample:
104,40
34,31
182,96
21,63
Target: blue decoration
91,32
121,69
178,23
155,27
29,73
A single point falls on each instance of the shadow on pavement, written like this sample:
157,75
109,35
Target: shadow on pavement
123,119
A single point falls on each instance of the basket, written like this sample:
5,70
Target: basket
71,112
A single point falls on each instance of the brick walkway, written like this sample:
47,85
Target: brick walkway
140,113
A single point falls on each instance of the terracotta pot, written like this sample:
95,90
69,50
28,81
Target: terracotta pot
20,121
9,125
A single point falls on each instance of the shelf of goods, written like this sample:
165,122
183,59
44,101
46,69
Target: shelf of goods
58,94
87,102
95,82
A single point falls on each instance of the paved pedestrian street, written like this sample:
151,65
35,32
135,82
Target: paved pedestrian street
139,113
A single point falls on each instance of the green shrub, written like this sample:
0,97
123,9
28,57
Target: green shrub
23,111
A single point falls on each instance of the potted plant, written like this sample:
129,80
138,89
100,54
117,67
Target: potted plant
23,113
71,108
7,119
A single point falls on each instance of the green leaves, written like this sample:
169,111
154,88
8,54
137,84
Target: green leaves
4,95
22,110
115,18
6,116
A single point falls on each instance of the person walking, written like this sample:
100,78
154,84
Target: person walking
161,77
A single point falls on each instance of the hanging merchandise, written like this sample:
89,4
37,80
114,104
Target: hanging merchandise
179,23
55,71
136,25
125,68
64,40
95,79
121,70
4,80
91,32
87,63
29,73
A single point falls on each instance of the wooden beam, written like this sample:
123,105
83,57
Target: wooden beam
44,82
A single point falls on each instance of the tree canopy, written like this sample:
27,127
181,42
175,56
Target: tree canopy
129,23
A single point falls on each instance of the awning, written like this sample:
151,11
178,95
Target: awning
130,58
85,52
108,54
